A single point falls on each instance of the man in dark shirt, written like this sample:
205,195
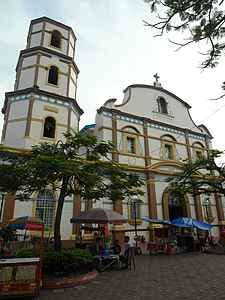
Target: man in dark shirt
116,248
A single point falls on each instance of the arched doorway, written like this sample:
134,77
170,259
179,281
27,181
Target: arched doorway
176,208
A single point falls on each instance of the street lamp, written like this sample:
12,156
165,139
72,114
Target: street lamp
134,199
206,203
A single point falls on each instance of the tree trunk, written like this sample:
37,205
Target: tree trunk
58,217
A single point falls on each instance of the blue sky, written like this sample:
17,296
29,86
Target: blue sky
114,50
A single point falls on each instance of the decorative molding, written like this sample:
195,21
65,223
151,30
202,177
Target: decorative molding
123,118
164,128
163,118
44,98
50,108
107,114
17,120
130,120
197,137
155,126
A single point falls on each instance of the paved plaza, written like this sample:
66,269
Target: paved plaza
184,276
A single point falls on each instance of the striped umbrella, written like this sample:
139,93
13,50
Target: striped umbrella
27,223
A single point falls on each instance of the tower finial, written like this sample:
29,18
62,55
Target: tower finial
156,77
156,83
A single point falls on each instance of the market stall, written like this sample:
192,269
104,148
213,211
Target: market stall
174,241
160,236
100,217
21,276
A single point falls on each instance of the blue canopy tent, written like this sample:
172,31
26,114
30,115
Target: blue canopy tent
166,222
163,230
190,223
163,233
183,241
181,222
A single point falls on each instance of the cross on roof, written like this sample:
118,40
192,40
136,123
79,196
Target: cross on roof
156,77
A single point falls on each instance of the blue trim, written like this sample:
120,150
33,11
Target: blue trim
86,127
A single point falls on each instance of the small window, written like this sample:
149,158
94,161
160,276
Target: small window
53,75
198,154
162,105
49,128
168,147
131,145
45,208
56,39
168,151
198,150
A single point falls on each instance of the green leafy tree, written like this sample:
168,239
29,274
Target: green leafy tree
203,19
203,176
7,235
79,166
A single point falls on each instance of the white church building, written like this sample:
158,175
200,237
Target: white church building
152,130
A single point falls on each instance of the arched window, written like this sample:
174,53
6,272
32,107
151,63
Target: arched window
162,105
53,75
130,141
168,147
131,148
49,128
198,150
56,39
45,208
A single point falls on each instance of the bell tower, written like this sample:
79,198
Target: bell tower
43,104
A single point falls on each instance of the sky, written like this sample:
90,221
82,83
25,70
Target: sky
114,50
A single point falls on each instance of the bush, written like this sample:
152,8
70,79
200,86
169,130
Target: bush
61,262
29,253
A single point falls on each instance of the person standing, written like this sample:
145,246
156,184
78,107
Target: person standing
128,246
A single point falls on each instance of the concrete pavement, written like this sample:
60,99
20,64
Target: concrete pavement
183,276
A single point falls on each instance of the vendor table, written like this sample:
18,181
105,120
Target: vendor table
19,277
155,247
103,262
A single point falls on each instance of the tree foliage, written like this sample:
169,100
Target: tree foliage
7,235
203,19
79,166
203,176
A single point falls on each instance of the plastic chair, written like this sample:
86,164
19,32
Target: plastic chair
131,257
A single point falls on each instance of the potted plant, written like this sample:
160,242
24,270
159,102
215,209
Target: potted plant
107,240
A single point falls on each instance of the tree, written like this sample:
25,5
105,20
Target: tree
79,166
203,19
203,176
7,235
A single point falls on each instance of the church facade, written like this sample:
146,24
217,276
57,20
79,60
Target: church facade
152,131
